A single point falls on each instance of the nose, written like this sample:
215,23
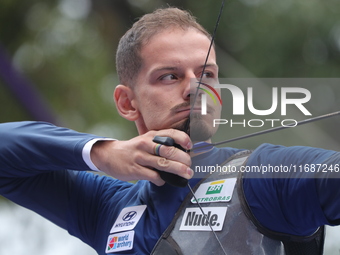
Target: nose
191,88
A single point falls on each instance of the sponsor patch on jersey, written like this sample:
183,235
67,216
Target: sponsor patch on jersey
128,218
216,191
194,220
120,242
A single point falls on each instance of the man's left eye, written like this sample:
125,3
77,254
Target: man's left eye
207,75
168,77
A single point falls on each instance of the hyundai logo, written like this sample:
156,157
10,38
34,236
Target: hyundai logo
129,216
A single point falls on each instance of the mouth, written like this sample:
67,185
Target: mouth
189,110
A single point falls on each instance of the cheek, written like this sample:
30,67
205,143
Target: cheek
150,109
149,103
153,101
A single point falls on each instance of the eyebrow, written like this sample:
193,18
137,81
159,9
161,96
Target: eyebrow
173,68
209,65
165,68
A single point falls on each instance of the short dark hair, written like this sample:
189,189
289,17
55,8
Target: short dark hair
128,59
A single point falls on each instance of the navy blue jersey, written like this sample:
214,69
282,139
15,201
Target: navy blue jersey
42,168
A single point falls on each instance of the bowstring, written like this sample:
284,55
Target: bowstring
187,125
206,218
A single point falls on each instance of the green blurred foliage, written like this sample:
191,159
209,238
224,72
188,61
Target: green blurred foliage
67,49
61,47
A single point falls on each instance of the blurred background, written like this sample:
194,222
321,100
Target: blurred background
57,64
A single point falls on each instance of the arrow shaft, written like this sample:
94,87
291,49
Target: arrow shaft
299,123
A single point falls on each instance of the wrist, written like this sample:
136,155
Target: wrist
87,152
100,153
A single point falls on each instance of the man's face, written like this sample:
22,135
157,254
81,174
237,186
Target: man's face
171,61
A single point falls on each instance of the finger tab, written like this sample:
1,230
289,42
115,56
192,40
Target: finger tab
164,140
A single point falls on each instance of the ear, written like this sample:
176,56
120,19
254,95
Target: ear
125,102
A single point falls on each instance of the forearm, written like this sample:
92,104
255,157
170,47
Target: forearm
27,148
34,158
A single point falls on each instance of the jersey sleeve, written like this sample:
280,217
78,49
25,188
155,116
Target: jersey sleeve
42,169
291,196
32,147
